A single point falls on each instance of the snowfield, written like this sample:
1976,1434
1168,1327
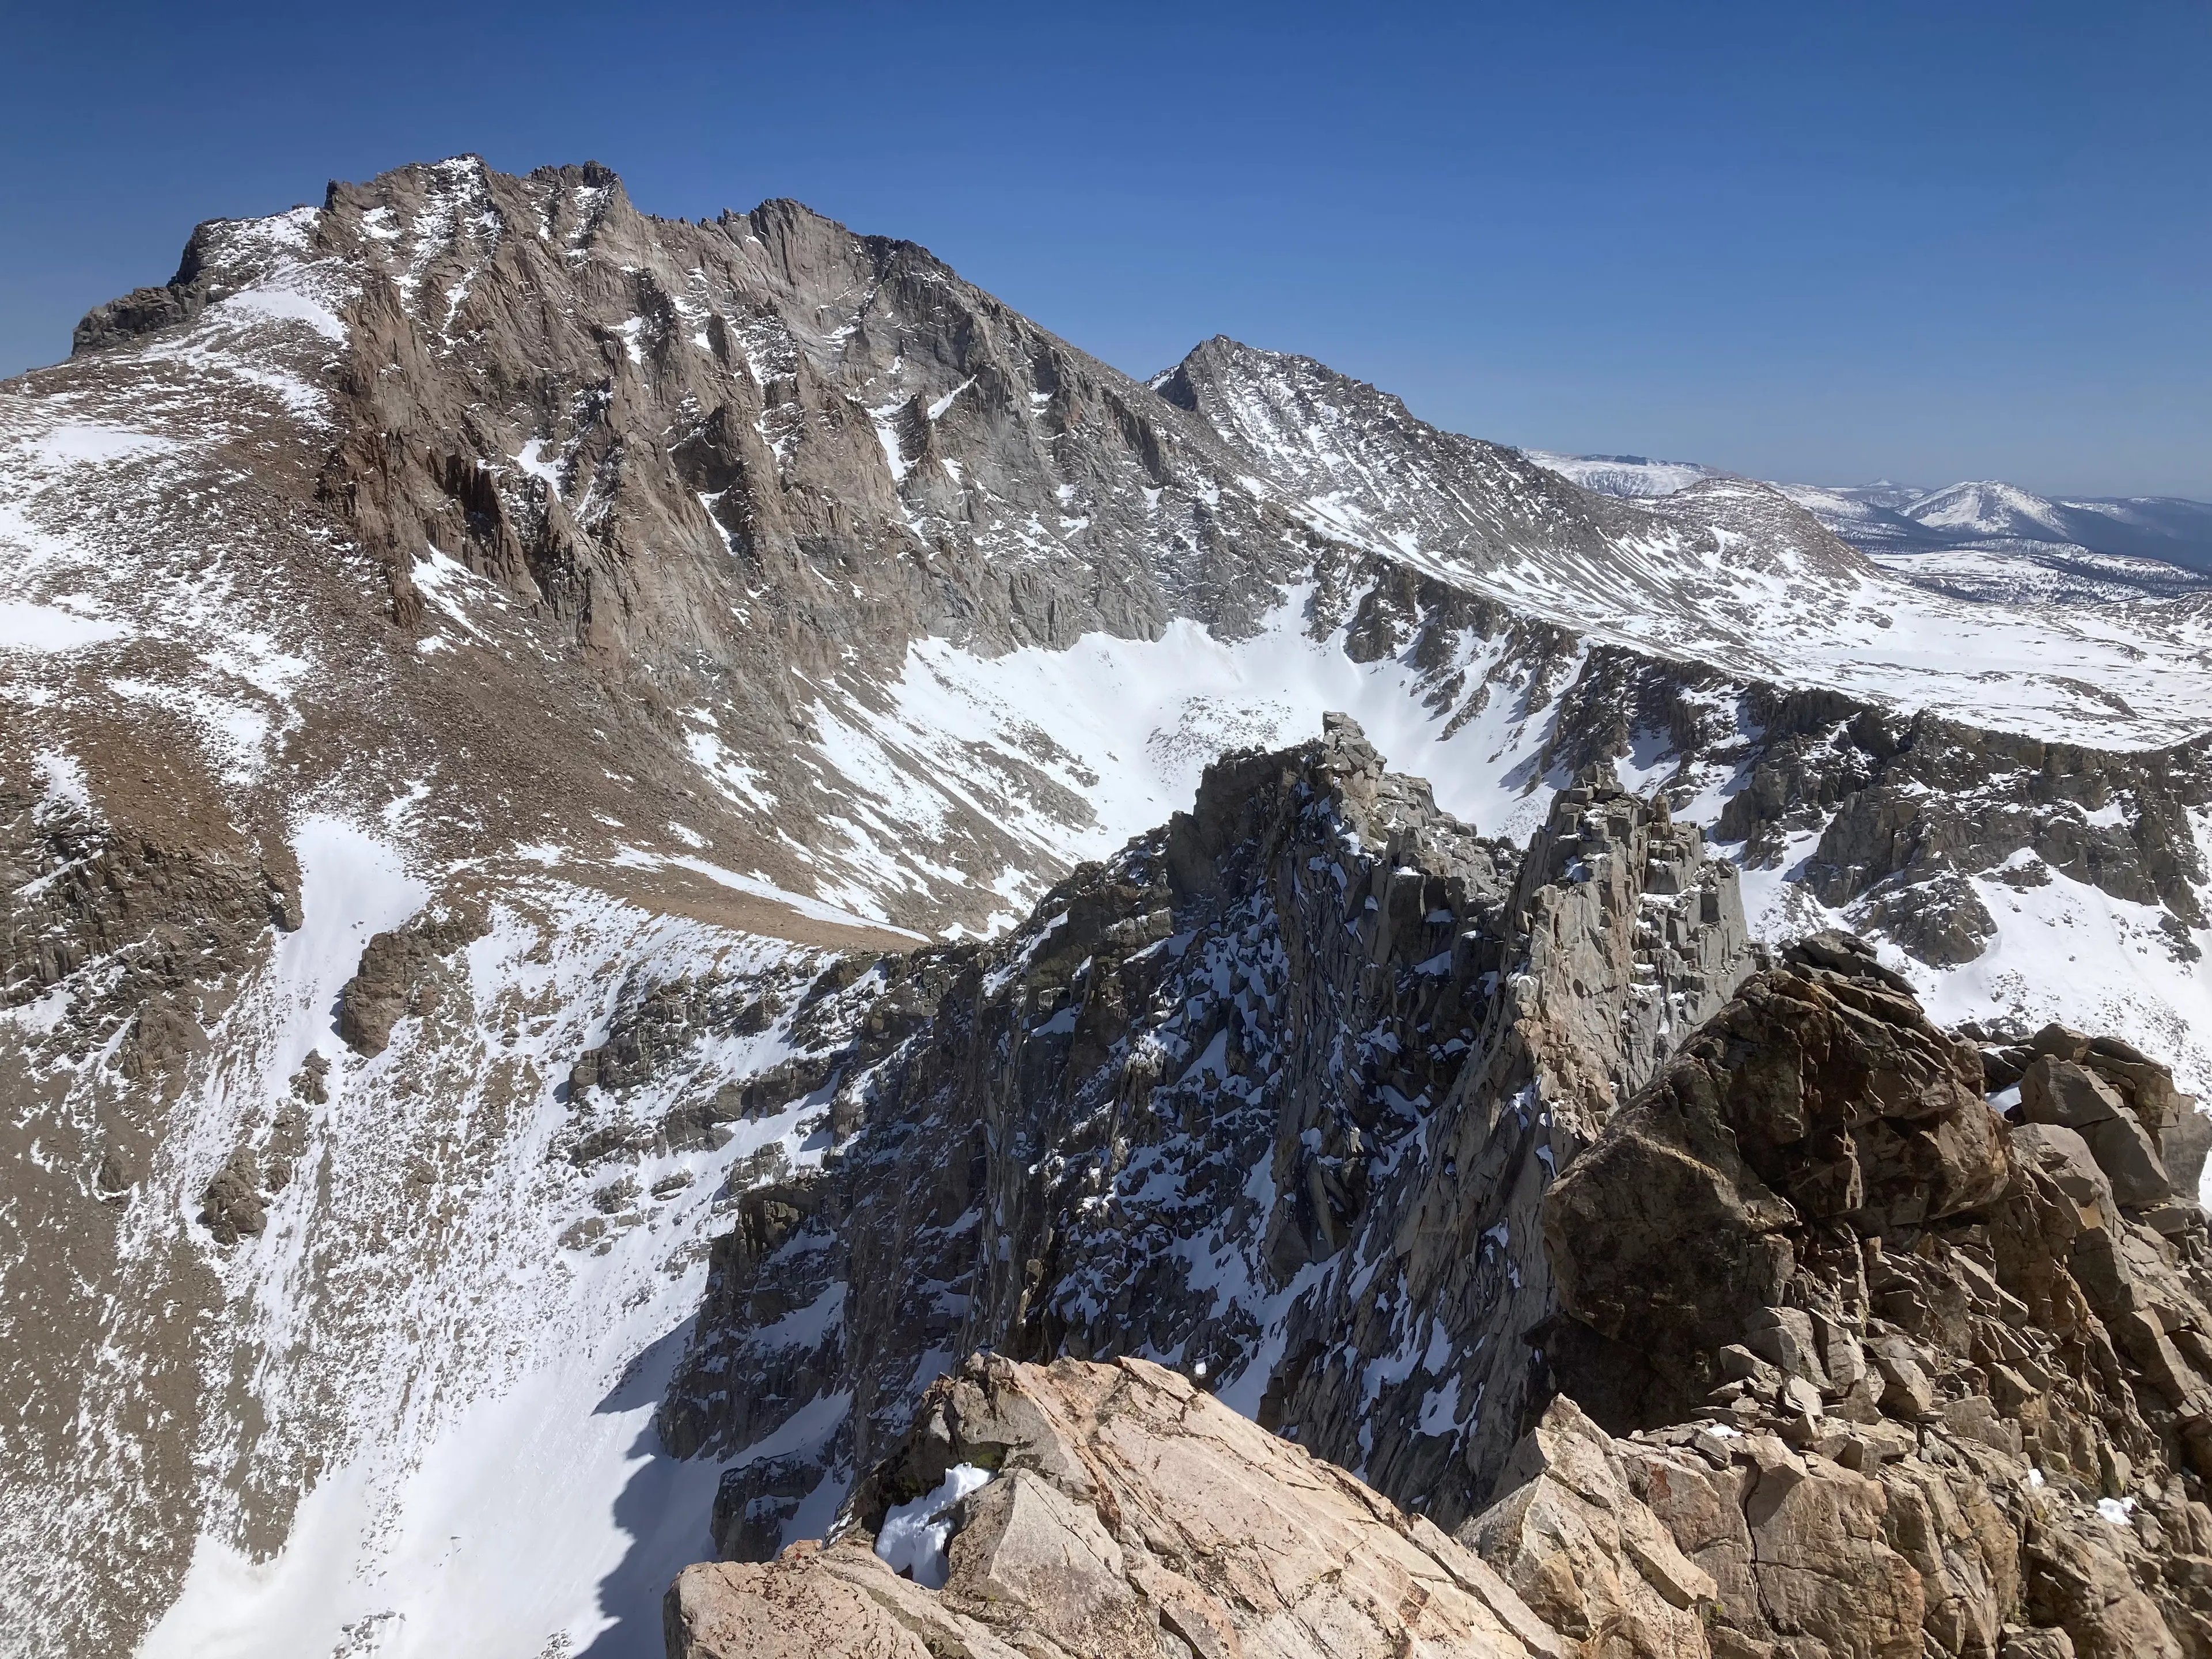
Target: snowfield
477,1392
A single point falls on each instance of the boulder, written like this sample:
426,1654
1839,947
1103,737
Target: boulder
2060,1092
2182,1147
405,972
1025,1543
1812,1099
1129,1516
2065,1156
2124,1151
1587,1556
232,1207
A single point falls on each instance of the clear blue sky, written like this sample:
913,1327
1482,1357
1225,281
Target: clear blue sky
1823,242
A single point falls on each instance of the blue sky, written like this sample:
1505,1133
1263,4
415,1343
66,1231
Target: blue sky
1812,242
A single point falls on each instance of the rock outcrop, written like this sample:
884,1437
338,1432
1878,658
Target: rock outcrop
1898,1374
403,972
1911,825
1106,1511
1846,1362
1273,1097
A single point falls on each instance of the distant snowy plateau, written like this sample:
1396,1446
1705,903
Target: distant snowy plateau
1982,540
474,657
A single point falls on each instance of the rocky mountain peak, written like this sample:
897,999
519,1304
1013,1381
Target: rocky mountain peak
562,771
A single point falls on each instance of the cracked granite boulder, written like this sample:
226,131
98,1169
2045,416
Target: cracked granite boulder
1898,1373
1109,1511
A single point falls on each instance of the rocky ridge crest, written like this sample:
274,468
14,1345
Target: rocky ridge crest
1850,1359
1273,1096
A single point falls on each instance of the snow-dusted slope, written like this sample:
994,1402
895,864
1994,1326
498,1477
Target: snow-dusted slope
2165,528
1630,477
458,1332
2040,574
1724,570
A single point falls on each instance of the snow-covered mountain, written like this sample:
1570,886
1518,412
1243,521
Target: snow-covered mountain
2000,540
497,688
2156,528
1984,510
1972,541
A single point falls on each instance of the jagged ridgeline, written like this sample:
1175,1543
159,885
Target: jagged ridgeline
1273,1095
585,912
1844,1350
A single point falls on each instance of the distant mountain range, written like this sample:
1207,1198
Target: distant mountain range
1978,539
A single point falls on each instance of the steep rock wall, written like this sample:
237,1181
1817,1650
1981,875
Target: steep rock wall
1272,1096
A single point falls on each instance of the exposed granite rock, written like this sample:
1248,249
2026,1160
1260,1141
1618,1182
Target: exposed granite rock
172,907
204,277
403,972
1675,1228
1621,934
1898,1376
1906,808
310,1084
1274,1094
1586,1553
1936,915
664,1019
1126,1515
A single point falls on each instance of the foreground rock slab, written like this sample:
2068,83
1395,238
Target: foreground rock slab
1125,1512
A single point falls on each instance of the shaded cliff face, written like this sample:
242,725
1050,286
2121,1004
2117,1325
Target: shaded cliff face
1273,1097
